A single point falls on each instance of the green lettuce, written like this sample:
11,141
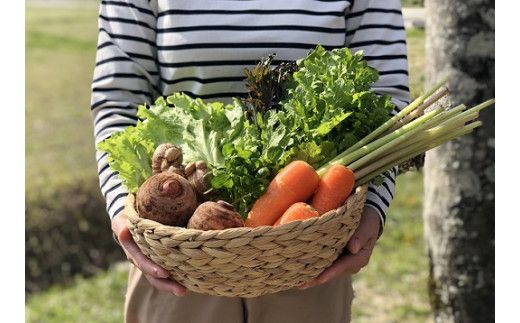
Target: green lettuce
199,129
330,103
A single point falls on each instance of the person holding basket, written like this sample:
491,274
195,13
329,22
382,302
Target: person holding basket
151,48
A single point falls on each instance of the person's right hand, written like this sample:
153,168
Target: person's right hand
155,274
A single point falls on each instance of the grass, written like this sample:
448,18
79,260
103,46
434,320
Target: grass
393,287
412,3
98,299
416,64
60,52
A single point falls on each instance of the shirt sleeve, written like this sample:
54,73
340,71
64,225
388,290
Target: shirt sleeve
125,76
377,28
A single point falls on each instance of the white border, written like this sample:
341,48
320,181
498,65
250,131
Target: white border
507,112
12,137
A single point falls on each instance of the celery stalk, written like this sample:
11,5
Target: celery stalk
397,137
412,127
417,112
363,176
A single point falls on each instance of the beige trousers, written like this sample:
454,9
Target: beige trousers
327,303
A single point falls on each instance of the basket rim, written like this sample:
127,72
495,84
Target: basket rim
133,218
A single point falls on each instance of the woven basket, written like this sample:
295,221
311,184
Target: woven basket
248,262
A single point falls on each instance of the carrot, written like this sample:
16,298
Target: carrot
334,188
268,208
299,211
277,222
296,182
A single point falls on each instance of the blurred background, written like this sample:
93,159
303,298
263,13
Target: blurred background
74,270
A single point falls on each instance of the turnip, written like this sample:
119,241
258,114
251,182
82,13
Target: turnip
215,216
167,198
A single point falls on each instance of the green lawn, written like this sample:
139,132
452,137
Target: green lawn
60,53
60,56
98,299
412,3
393,287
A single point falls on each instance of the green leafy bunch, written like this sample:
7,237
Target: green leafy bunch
331,105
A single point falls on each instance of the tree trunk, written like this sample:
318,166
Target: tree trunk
459,176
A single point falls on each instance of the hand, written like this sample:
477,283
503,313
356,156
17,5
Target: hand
360,247
155,274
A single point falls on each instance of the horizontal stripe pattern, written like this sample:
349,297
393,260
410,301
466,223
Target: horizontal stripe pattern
225,12
207,28
149,48
233,45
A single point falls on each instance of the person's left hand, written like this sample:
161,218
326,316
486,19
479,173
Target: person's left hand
360,247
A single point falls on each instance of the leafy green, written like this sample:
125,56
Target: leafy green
327,107
330,101
130,151
266,84
197,128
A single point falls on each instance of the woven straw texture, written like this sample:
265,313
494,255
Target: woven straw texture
248,262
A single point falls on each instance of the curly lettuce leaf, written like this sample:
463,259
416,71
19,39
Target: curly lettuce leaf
130,151
199,129
330,98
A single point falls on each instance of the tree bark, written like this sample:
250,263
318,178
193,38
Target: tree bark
459,176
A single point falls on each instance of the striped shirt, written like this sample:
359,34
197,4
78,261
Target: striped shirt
151,48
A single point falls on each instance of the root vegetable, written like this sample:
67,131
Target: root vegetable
197,174
167,198
299,211
334,188
167,157
215,216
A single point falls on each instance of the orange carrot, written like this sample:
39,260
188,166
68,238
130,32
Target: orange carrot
268,208
298,211
296,182
277,221
334,188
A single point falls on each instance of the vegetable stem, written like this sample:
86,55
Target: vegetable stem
389,123
376,148
434,122
417,112
418,135
365,175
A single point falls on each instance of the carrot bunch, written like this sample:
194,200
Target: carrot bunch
297,183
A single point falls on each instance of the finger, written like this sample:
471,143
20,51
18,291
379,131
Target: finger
119,222
364,234
167,285
347,264
310,284
355,243
138,258
353,263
